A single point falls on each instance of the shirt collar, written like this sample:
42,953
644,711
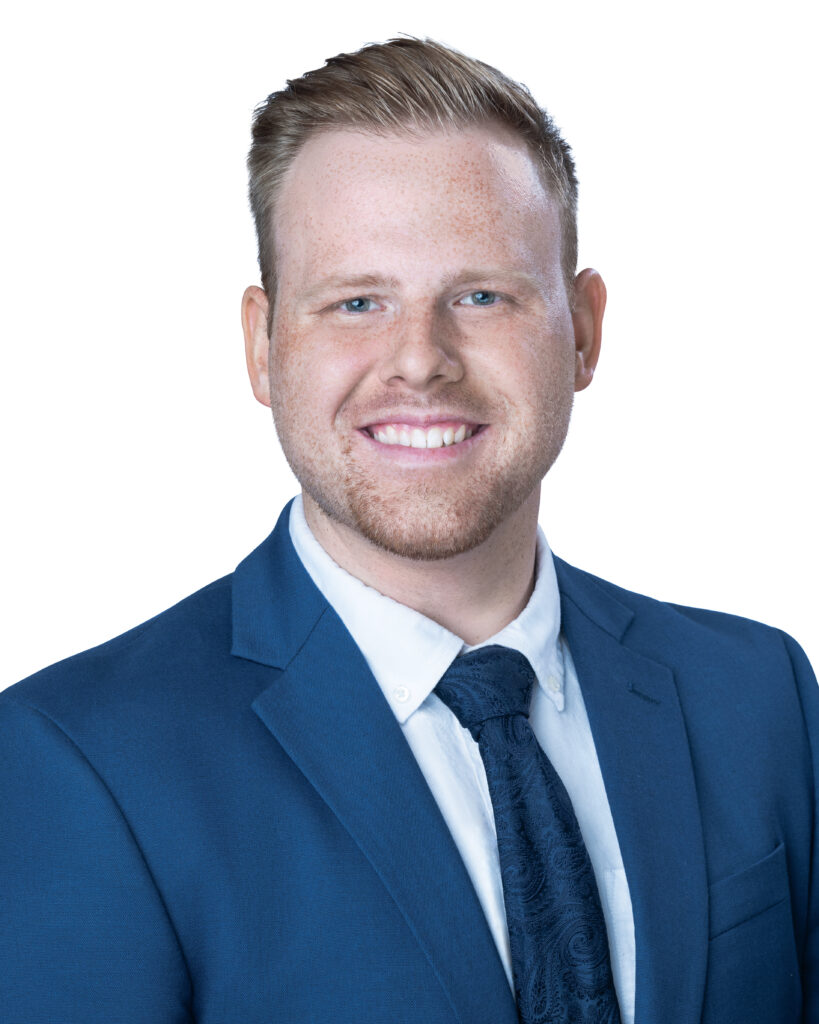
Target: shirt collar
408,652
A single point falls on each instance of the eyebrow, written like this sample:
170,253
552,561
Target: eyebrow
342,281
371,280
486,273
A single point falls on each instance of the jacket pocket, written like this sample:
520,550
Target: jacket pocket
755,889
753,968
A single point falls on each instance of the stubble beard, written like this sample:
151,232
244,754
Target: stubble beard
425,522
432,519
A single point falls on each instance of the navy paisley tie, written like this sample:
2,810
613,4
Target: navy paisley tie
560,956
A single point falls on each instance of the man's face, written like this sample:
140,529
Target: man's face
422,352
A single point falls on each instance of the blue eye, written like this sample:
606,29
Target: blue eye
481,298
360,304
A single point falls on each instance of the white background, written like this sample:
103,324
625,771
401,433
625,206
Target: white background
136,465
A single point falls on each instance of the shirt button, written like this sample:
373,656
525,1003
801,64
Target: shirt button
553,684
401,693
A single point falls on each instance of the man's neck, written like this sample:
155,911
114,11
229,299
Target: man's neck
474,594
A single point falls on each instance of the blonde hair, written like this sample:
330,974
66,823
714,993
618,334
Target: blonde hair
405,85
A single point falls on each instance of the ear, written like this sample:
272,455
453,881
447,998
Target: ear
587,317
257,343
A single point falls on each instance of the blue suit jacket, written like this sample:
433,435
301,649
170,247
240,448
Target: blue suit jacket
216,817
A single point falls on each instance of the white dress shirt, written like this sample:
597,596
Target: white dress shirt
408,653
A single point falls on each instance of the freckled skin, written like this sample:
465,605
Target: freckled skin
416,213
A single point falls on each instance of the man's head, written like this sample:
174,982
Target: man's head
419,339
405,85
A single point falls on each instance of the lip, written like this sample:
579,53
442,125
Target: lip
423,422
415,456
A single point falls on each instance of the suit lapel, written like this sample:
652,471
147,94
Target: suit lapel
641,742
328,713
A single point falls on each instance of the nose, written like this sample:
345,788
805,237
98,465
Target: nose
424,353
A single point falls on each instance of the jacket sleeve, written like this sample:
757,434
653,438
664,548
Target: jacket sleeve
84,935
809,696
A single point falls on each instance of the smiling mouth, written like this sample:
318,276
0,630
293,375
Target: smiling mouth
438,435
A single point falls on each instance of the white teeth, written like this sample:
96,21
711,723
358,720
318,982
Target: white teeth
415,437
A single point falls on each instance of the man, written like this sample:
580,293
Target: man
277,800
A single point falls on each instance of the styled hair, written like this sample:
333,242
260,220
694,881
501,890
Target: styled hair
404,86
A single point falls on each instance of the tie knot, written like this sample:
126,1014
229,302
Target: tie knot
491,682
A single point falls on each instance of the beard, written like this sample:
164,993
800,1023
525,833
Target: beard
445,512
428,521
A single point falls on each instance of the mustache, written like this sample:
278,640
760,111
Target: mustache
465,405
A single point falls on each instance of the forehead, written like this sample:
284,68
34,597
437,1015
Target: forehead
447,193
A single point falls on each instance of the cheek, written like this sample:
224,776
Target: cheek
313,375
541,371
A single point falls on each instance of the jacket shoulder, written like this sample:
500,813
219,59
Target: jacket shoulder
689,619
137,665
679,634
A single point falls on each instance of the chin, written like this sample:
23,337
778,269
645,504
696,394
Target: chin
422,526
419,542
